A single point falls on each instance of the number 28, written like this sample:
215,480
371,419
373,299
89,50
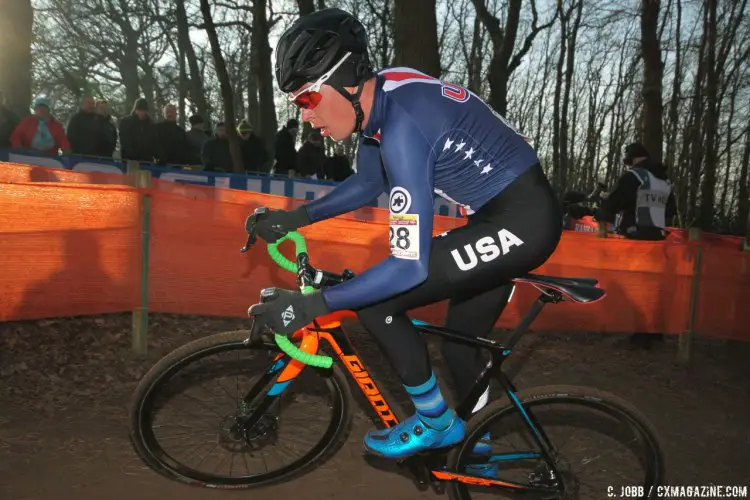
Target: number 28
402,238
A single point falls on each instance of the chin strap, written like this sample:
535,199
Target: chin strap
354,100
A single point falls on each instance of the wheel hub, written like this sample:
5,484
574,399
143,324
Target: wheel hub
234,439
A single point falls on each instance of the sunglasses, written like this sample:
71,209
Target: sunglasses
310,97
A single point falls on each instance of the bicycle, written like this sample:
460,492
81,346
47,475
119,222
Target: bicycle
254,422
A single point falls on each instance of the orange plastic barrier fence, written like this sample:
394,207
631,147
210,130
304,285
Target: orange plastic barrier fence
70,244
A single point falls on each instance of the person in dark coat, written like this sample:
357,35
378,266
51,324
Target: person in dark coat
84,129
173,140
197,137
254,155
216,155
285,151
311,158
137,135
8,123
337,167
107,130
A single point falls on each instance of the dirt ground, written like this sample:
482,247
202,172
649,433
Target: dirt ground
65,386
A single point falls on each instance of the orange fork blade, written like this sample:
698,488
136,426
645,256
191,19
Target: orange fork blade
294,368
461,478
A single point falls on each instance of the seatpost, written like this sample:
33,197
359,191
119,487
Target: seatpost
526,321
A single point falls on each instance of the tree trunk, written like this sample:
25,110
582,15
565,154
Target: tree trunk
253,110
16,24
711,123
227,94
652,77
476,56
675,101
503,61
557,149
743,197
197,91
182,91
306,7
415,36
565,144
266,105
695,136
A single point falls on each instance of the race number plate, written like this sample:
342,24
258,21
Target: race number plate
404,236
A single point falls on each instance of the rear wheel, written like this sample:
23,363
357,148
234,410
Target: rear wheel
185,410
599,443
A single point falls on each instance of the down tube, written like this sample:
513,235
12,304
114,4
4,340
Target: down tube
356,368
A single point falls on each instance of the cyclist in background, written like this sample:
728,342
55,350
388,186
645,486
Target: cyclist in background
419,136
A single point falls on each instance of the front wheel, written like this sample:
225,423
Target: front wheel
185,414
599,446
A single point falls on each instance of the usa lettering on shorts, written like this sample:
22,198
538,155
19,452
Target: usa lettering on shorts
485,249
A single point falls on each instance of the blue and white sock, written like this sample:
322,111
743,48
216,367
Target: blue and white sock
431,407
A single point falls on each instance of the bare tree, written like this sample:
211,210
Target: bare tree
652,77
415,30
227,93
504,61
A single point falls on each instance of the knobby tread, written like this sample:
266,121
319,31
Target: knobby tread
231,337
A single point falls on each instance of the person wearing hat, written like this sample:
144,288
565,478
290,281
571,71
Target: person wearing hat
40,131
286,153
137,135
254,155
197,137
643,197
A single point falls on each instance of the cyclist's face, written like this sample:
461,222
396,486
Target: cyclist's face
333,114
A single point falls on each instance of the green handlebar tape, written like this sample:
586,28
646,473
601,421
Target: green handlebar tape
307,358
282,341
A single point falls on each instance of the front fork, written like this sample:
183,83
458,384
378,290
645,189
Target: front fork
289,368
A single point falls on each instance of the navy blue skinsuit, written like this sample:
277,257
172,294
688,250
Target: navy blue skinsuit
424,138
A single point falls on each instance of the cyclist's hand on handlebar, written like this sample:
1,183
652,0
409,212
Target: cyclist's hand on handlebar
286,311
273,225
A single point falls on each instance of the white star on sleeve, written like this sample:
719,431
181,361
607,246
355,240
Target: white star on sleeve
478,162
467,155
486,169
448,144
460,146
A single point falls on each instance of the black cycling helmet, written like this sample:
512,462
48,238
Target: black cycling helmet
314,44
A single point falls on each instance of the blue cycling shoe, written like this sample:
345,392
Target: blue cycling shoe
412,436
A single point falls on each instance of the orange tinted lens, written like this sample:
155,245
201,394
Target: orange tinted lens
308,100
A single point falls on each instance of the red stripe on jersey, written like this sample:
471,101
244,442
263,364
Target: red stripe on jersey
406,75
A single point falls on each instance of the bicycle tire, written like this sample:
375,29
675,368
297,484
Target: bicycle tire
334,437
573,395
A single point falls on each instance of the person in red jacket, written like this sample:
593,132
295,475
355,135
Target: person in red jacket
40,131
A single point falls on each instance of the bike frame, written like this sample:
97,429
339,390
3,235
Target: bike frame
328,328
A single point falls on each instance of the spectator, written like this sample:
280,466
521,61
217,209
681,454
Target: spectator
311,158
84,129
8,123
197,137
137,135
254,154
216,155
285,151
107,130
337,167
40,131
643,195
173,140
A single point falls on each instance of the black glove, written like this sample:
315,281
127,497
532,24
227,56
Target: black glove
286,311
276,224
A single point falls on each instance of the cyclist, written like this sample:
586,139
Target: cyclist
419,136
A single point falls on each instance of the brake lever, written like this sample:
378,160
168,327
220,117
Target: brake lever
250,228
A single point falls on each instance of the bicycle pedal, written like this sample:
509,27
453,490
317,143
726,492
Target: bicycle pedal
418,470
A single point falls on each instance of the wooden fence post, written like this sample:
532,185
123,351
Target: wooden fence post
685,342
141,179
